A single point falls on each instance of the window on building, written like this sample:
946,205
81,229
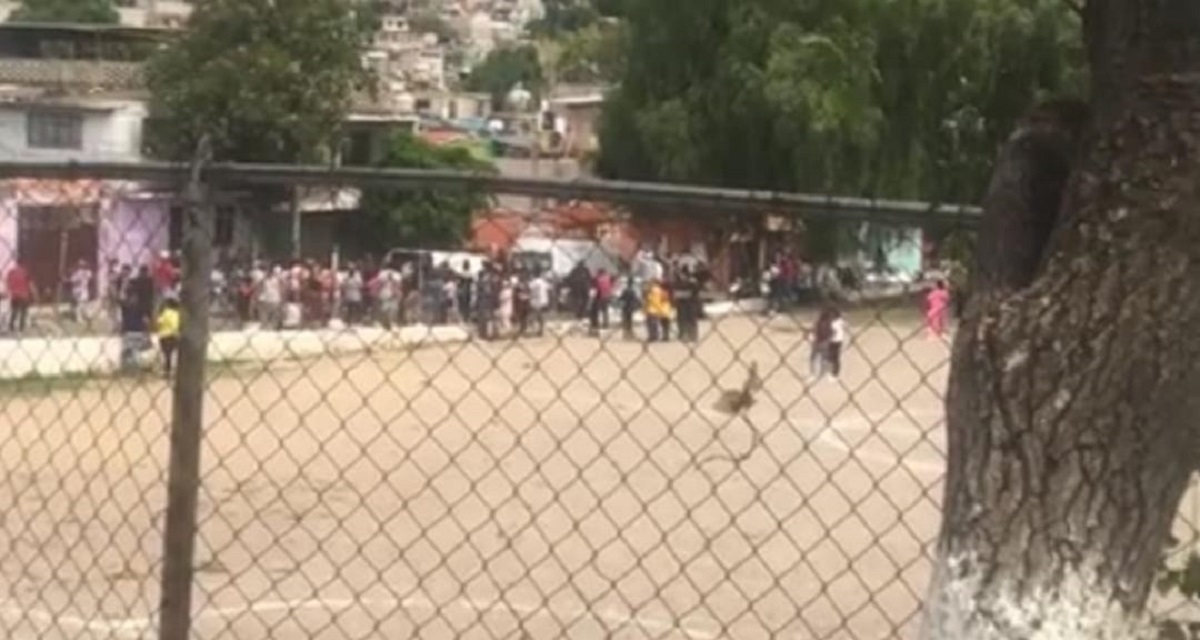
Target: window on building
54,130
58,217
226,223
357,151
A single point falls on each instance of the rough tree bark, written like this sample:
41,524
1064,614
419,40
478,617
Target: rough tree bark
1074,397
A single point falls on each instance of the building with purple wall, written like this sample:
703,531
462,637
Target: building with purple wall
52,225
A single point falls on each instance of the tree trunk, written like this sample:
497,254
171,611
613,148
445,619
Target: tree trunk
1073,398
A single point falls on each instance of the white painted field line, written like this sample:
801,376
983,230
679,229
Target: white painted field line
827,436
621,620
13,611
611,618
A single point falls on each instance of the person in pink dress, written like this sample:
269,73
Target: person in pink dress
937,308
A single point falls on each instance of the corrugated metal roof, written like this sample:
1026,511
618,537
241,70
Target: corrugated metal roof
87,27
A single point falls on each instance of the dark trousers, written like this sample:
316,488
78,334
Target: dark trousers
18,318
485,323
602,310
521,314
833,352
537,318
352,311
653,329
658,329
627,323
168,346
689,323
597,315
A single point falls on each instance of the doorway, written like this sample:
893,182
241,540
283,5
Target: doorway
52,239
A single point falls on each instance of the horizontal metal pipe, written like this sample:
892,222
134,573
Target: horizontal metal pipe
705,201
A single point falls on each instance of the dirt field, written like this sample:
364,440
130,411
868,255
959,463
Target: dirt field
544,489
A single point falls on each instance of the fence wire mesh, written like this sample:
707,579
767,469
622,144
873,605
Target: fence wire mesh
484,443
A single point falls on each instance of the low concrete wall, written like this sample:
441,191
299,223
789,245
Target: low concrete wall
49,357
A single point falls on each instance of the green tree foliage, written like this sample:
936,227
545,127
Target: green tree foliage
595,54
859,97
564,16
271,81
424,218
78,11
503,69
610,8
428,21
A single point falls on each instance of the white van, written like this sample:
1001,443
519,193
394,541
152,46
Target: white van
565,254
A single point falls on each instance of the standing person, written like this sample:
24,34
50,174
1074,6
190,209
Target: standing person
20,295
218,285
839,334
449,312
327,282
80,282
167,328
704,279
603,288
4,305
820,335
937,307
579,282
669,311
773,278
310,295
134,326
486,300
539,301
958,281
593,305
388,291
352,295
658,310
630,301
118,275
412,308
466,289
140,293
243,299
687,298
270,299
522,303
258,272
164,274
504,309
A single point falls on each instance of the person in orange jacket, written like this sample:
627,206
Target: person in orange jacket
658,312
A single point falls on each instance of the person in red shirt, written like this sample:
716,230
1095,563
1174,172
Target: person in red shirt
20,295
604,293
164,274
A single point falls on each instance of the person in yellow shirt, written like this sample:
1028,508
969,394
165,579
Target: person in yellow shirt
658,312
167,329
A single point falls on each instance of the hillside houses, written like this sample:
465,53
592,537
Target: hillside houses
74,93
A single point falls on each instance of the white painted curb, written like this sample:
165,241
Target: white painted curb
49,357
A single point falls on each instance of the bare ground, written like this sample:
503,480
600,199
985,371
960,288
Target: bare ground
539,489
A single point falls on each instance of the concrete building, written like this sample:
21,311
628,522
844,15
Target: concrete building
167,14
75,105
406,60
577,118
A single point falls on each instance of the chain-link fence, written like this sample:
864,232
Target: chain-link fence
657,413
